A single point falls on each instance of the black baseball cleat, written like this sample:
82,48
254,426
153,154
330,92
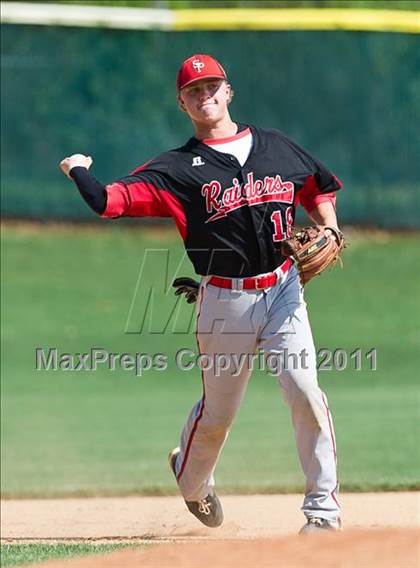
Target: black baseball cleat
315,525
208,510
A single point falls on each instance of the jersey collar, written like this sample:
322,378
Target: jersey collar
243,130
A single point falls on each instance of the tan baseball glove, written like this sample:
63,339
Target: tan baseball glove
314,249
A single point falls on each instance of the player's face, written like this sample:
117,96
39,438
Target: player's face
206,100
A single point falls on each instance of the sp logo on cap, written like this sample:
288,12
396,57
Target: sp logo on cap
198,65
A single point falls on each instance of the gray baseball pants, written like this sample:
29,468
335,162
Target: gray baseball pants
274,321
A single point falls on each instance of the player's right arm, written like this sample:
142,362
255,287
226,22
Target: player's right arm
137,195
144,193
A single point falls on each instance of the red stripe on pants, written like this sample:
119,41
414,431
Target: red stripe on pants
333,445
200,414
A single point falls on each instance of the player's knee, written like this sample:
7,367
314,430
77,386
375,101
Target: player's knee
299,386
308,404
305,397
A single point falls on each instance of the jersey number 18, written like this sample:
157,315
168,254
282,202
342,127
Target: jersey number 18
281,233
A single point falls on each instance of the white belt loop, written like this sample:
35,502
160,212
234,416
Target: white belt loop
238,284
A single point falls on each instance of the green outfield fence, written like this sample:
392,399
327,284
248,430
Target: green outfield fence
352,98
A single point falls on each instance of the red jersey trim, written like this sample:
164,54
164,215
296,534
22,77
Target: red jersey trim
212,141
140,168
338,180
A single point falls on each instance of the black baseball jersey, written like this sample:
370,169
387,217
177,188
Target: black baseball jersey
232,218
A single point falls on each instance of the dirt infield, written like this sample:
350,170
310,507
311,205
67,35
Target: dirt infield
355,549
259,530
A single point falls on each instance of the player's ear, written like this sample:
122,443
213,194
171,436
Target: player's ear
231,93
181,103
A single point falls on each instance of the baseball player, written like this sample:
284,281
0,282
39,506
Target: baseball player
232,191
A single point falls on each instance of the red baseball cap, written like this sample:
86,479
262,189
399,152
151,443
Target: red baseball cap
199,67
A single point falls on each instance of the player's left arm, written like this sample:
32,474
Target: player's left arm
317,195
324,214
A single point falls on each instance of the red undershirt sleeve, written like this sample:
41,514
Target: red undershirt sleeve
137,199
310,195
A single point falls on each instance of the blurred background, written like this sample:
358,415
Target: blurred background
341,78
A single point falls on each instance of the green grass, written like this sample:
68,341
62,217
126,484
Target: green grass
104,432
19,554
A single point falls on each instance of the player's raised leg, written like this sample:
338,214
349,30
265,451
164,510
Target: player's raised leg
209,421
